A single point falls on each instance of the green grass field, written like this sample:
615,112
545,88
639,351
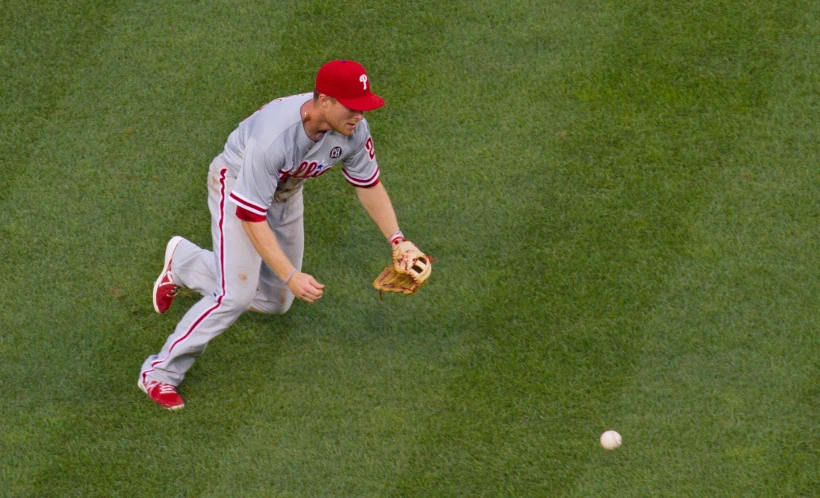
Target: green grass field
623,199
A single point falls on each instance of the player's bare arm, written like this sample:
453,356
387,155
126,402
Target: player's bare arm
378,206
411,268
303,285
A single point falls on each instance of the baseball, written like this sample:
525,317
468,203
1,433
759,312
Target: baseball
611,440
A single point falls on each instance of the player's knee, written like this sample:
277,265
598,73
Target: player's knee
237,301
286,304
275,307
241,290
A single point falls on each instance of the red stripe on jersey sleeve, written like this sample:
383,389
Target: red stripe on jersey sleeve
366,186
249,206
245,215
370,182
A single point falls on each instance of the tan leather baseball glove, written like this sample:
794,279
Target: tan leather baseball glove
410,270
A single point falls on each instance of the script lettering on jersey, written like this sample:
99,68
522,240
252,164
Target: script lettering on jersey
310,169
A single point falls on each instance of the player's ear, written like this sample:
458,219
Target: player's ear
325,100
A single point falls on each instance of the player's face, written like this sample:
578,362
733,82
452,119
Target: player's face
343,119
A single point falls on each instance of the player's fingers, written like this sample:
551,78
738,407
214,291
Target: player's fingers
306,295
309,293
315,286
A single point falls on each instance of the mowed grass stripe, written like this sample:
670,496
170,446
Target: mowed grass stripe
118,143
40,47
647,169
797,114
560,246
720,401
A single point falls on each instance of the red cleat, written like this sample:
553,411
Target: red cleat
165,395
165,290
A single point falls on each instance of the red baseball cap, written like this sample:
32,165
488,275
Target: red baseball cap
347,82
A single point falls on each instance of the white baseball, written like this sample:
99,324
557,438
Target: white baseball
611,440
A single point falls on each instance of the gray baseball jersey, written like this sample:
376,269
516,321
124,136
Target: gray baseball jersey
271,155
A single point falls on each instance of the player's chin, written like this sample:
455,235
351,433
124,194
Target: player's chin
347,129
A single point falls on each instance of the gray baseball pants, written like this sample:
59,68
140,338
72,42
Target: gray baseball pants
232,278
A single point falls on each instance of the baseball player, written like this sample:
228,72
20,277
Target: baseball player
255,200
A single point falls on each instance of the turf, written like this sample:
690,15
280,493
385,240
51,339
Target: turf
622,199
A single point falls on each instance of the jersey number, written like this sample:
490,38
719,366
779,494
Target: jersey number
369,146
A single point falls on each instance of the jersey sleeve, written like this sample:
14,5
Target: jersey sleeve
360,168
256,183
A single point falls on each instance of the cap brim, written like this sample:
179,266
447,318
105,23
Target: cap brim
365,103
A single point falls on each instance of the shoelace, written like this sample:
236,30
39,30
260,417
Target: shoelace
169,281
163,388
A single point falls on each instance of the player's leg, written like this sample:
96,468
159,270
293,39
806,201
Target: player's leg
186,264
237,266
194,267
287,222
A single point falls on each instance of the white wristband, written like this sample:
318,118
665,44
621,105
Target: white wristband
292,272
396,237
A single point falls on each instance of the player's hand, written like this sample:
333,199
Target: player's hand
305,287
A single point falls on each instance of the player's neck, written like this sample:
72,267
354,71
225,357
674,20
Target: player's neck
313,123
